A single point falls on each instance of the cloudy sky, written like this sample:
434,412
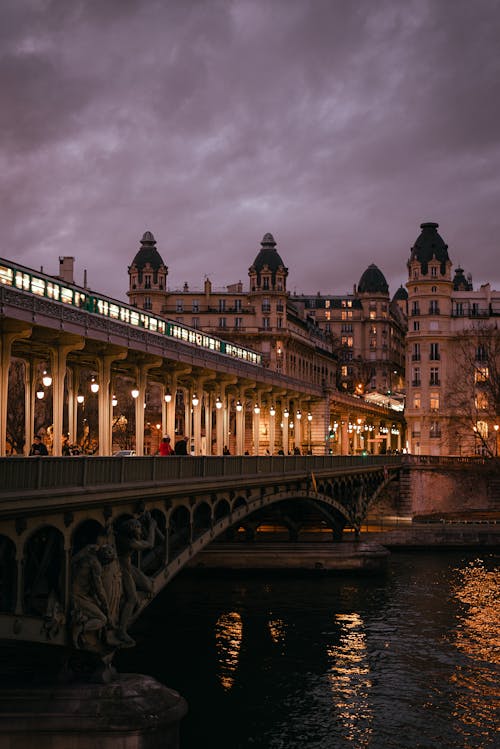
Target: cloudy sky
337,125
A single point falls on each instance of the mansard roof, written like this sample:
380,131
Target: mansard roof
428,246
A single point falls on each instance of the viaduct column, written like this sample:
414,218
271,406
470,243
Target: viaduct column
142,381
6,340
105,409
58,357
344,434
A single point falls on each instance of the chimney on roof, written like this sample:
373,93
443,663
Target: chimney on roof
66,269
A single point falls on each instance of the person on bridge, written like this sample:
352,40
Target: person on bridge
38,447
165,446
181,447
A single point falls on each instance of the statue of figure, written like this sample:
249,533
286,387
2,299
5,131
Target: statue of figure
129,539
92,628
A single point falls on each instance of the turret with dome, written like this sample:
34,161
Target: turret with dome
147,275
268,271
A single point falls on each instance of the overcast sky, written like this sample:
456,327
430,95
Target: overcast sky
337,125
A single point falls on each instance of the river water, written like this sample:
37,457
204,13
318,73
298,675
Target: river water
408,659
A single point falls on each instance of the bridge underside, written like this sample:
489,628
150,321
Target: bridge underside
36,550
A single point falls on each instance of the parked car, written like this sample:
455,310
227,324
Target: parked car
123,453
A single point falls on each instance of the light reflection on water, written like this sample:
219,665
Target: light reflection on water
228,635
477,635
403,661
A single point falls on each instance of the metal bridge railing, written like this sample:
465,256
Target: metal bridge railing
45,473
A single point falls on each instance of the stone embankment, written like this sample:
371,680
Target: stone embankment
474,530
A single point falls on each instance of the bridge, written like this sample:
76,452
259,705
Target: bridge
76,348
53,511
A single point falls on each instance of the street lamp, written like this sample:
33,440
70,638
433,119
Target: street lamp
39,391
134,392
46,379
496,427
256,409
94,385
272,411
168,396
195,400
218,403
80,398
239,406
114,401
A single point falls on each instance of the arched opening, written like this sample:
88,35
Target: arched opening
179,531
43,571
8,574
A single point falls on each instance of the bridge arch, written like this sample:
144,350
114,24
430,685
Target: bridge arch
44,578
8,574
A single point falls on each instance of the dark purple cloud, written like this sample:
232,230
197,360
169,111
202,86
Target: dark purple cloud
337,126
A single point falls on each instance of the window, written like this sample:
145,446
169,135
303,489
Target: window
481,374
435,430
346,314
347,340
237,305
434,289
195,322
266,323
434,271
222,305
415,309
434,352
147,282
238,322
434,401
147,302
415,432
416,377
179,305
434,378
222,322
196,305
279,321
416,401
481,353
433,307
416,325
265,283
481,401
475,308
373,330
459,309
266,305
373,343
416,352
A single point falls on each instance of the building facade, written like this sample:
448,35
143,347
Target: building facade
453,355
307,338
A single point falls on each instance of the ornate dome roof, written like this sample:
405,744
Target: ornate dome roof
373,281
148,253
268,255
401,294
430,245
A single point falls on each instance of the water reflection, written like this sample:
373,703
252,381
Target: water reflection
277,630
350,682
228,636
476,635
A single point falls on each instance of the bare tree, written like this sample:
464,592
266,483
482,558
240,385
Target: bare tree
473,389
